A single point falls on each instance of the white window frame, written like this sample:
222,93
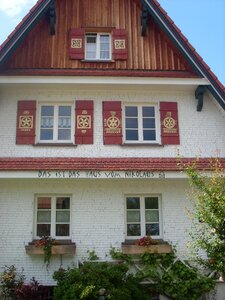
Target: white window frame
53,216
142,215
140,124
97,57
55,124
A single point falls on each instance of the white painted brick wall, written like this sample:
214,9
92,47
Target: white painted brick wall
201,133
98,217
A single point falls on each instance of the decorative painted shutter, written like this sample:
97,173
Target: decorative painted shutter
84,122
25,129
76,43
119,44
169,123
112,122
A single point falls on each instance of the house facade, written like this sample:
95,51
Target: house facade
98,99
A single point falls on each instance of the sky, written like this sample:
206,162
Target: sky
201,21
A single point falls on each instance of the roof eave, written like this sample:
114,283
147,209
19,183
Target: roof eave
20,32
187,50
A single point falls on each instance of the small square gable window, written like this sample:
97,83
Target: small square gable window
97,46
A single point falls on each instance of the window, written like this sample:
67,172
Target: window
97,46
140,123
55,123
143,216
52,216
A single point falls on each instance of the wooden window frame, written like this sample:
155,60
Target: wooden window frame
140,125
55,124
53,216
142,215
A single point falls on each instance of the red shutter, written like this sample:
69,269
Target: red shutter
169,123
84,122
112,122
119,44
25,129
76,43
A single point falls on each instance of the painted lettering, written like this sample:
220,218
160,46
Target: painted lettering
44,174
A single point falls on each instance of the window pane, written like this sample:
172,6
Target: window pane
44,203
152,216
44,216
133,230
133,203
133,216
131,123
43,230
65,111
148,123
148,111
131,111
63,203
152,229
131,135
149,135
64,134
104,55
151,203
47,110
62,230
64,122
91,39
62,216
47,122
46,134
104,38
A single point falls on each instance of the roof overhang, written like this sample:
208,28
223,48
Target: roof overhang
187,50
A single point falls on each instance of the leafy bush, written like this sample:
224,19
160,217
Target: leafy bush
92,278
173,277
10,279
33,290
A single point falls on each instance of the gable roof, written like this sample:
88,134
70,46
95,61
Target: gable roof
160,17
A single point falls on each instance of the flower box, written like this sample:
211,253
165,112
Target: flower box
67,248
135,249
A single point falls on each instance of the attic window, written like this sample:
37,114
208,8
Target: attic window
97,46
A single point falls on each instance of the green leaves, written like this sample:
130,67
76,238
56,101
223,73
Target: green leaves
209,202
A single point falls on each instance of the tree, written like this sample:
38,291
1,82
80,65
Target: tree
209,215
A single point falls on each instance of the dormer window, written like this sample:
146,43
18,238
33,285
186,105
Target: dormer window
98,46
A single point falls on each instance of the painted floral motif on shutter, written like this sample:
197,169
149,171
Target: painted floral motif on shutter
112,122
119,44
26,116
84,122
76,43
169,123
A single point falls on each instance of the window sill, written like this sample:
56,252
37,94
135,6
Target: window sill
129,247
60,247
143,144
55,145
98,61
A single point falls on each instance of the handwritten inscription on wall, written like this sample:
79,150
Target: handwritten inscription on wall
100,174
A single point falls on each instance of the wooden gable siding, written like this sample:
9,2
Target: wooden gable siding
154,52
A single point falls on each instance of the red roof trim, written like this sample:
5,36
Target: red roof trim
88,72
189,46
103,164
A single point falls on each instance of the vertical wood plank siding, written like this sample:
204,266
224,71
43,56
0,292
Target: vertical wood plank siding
153,52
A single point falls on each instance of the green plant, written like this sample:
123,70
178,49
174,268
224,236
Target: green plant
92,255
168,275
208,232
11,279
93,279
46,242
173,277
